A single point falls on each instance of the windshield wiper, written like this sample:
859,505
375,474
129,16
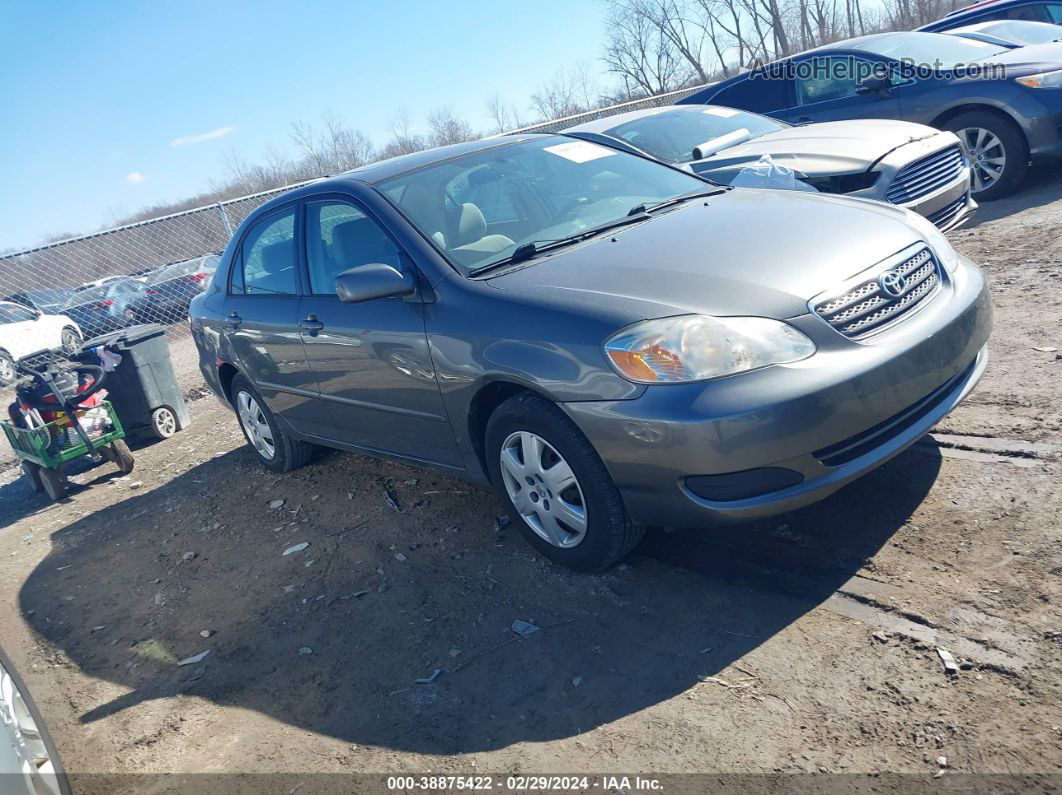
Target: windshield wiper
526,251
642,209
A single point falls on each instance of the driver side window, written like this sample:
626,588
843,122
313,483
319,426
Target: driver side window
823,79
339,236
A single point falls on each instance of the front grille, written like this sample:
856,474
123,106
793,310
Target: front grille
924,176
867,308
947,214
854,446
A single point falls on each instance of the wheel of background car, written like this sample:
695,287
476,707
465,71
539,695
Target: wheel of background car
53,483
33,475
122,456
998,153
555,485
43,771
163,422
130,317
71,341
7,368
275,448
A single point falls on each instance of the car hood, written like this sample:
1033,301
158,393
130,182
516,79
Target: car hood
1030,60
745,252
833,147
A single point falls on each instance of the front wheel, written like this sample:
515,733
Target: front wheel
276,449
997,150
163,422
118,451
54,485
555,485
7,369
32,473
70,340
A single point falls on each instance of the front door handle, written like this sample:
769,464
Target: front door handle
233,321
311,324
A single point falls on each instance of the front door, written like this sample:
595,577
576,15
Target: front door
262,327
826,90
374,370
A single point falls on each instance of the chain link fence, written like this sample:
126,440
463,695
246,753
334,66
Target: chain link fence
55,295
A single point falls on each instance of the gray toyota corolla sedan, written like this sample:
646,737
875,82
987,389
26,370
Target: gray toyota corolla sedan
608,341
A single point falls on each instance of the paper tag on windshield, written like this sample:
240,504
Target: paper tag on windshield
580,151
726,113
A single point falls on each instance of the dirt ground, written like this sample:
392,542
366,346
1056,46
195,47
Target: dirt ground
808,644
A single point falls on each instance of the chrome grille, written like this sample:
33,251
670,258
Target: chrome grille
867,307
924,176
948,213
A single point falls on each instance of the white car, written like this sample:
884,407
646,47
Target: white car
24,331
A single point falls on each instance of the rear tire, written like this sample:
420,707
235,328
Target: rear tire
274,447
164,422
32,473
122,456
53,484
600,531
998,151
7,369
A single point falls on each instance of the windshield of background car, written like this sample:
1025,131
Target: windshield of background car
479,208
1018,31
671,136
87,296
930,49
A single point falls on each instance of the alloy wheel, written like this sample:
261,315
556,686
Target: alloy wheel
543,489
69,341
18,726
988,157
7,370
255,425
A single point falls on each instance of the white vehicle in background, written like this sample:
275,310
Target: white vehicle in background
29,761
24,331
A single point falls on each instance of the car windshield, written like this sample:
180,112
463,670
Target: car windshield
48,299
1017,31
928,48
86,296
672,134
479,208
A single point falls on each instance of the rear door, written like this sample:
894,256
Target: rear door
261,325
768,91
374,371
825,89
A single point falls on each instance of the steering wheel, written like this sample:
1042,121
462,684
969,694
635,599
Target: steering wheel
98,374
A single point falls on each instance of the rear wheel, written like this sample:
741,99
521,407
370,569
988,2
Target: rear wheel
122,456
163,422
7,368
53,483
555,485
32,473
71,341
998,153
276,449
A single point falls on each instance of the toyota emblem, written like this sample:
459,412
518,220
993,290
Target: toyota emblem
893,283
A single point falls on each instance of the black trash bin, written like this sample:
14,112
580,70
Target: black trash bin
143,388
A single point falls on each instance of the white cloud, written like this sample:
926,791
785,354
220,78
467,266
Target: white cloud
134,177
220,132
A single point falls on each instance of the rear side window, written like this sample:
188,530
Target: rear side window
266,263
762,93
340,236
1034,12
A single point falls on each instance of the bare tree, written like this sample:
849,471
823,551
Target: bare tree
639,53
446,128
332,149
504,115
403,139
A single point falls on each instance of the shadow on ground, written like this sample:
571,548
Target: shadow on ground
332,639
1041,186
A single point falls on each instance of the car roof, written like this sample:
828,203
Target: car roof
393,166
606,123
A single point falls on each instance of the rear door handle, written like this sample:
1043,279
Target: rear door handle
233,321
311,324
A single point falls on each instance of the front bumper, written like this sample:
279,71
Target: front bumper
829,419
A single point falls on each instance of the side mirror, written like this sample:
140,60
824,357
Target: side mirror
875,85
38,313
372,281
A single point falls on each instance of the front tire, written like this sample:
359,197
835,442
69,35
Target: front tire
7,369
276,450
999,154
32,473
54,485
555,485
70,341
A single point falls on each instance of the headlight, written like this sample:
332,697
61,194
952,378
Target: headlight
1042,80
675,350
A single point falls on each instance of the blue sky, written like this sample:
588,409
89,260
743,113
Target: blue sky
96,94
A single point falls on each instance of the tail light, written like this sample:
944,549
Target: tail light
103,304
197,277
152,292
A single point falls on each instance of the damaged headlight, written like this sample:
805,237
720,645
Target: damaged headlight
842,183
675,350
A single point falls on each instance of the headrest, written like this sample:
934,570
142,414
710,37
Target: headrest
360,242
278,256
472,225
